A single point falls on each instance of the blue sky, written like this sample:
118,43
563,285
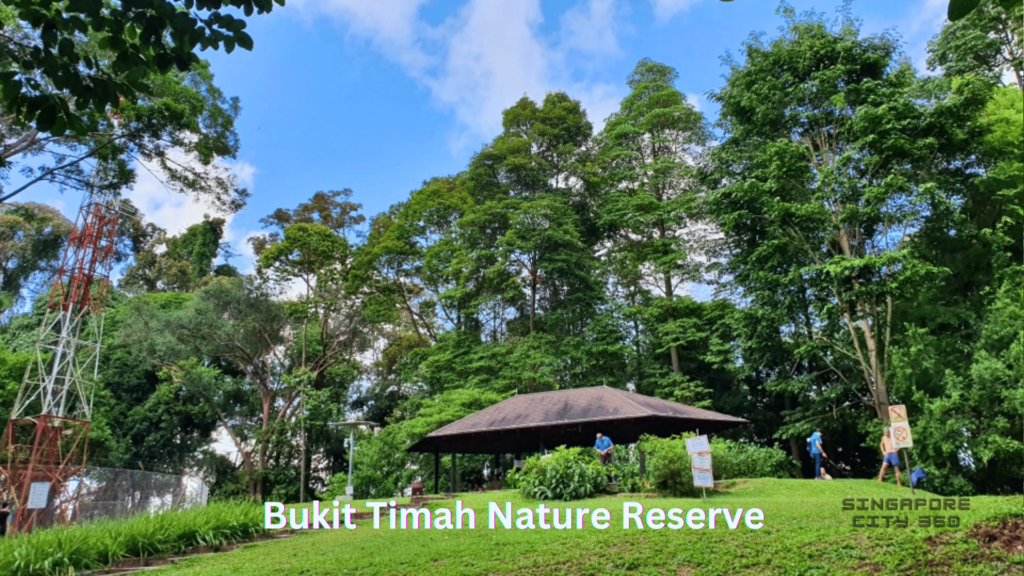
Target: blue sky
378,96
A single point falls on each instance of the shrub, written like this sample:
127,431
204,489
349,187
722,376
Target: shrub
627,476
336,486
669,465
70,549
513,479
743,460
564,474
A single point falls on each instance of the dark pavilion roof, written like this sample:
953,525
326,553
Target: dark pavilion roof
528,422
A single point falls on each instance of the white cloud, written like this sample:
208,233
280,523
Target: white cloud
591,27
925,21
169,210
664,10
485,55
175,212
392,25
493,58
694,100
245,172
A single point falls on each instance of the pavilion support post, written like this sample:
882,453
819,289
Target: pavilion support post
455,473
643,463
497,465
437,472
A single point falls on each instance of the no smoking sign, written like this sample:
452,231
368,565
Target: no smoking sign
901,437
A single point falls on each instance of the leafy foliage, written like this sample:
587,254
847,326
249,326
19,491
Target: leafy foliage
49,55
382,466
31,238
563,474
67,550
731,459
669,464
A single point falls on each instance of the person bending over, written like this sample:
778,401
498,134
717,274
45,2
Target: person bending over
604,448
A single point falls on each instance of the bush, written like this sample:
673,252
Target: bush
668,465
627,476
513,479
70,549
565,474
743,460
336,486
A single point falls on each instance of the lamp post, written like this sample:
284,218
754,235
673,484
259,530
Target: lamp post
349,492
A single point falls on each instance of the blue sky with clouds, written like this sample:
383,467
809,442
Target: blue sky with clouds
378,96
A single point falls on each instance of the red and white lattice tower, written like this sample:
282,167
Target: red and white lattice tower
45,443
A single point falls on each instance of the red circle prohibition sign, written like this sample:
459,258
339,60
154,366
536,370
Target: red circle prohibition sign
901,434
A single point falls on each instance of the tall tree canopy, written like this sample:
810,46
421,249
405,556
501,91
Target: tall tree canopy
831,160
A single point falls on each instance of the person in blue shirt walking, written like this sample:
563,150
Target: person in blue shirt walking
604,448
818,453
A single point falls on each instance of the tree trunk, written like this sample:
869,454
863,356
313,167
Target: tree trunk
672,350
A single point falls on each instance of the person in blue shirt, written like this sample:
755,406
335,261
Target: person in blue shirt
818,453
604,448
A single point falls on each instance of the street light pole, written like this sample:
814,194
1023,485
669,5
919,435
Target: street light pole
350,490
351,450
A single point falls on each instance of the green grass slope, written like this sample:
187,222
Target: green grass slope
805,532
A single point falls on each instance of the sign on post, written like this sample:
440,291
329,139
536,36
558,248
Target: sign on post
898,414
701,461
698,444
38,494
901,437
703,478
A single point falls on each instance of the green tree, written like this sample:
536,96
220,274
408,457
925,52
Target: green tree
183,128
229,342
960,9
832,159
32,237
987,42
177,263
648,160
382,466
311,248
333,209
62,65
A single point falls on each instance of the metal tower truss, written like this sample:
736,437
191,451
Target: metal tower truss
46,439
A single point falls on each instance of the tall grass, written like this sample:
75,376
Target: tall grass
66,550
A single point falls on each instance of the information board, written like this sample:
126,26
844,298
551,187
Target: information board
703,479
701,461
698,444
38,494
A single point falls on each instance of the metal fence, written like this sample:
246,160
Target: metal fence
92,493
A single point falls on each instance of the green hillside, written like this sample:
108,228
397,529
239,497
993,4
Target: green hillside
805,531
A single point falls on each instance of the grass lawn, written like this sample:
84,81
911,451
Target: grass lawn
805,532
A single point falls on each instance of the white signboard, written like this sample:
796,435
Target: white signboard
901,437
38,494
701,461
698,444
703,479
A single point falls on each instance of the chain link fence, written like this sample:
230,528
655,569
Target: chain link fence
94,493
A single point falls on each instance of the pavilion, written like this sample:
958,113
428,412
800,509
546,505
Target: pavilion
572,417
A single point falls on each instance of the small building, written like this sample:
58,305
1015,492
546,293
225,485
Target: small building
534,422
